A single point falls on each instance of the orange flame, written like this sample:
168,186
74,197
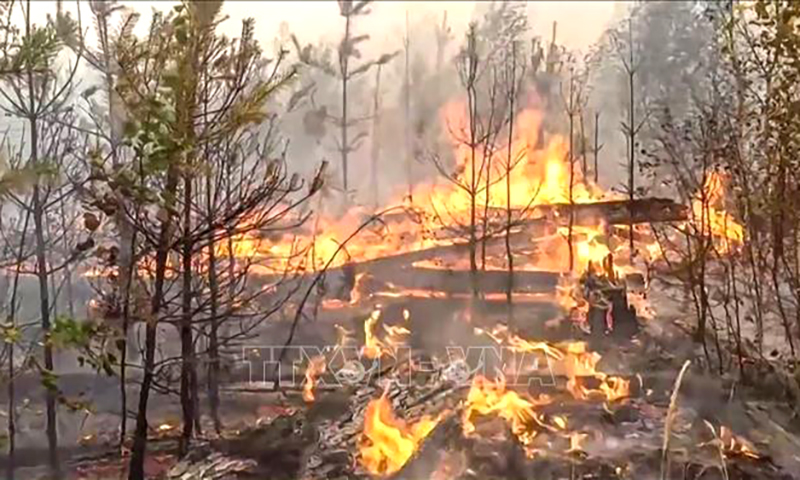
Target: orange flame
488,398
376,347
708,210
580,362
316,367
387,441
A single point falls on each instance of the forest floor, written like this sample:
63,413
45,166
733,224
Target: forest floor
722,428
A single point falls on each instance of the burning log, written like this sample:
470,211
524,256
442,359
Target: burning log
618,212
458,281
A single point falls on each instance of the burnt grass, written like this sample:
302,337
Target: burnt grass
272,434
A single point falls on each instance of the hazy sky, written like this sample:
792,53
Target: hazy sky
579,22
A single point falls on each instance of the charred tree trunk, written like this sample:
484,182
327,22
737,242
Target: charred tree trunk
509,168
213,334
376,145
632,129
407,115
136,469
571,112
42,273
11,388
597,146
188,372
344,61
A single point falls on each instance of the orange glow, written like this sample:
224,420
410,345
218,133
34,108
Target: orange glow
387,441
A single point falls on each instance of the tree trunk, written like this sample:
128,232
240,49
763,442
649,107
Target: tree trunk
11,390
509,168
407,116
344,60
42,275
188,371
571,170
136,469
213,335
376,145
596,145
632,130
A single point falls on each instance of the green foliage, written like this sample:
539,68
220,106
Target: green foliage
9,333
48,379
36,51
89,339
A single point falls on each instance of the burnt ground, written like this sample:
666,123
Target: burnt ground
276,435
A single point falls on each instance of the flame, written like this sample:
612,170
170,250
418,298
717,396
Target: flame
580,362
717,222
487,398
730,444
539,175
387,441
373,346
501,335
316,367
376,347
733,445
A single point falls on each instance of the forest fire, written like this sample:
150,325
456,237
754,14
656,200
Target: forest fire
476,251
539,174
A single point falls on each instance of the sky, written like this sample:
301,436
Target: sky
580,23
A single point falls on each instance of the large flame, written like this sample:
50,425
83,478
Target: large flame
389,442
538,173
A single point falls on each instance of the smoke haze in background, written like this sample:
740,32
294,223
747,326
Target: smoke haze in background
318,23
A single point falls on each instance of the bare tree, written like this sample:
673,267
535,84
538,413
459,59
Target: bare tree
626,51
345,72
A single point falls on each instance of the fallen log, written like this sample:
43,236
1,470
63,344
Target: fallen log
460,281
617,212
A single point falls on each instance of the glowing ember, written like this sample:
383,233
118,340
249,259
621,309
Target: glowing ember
165,427
316,367
387,441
